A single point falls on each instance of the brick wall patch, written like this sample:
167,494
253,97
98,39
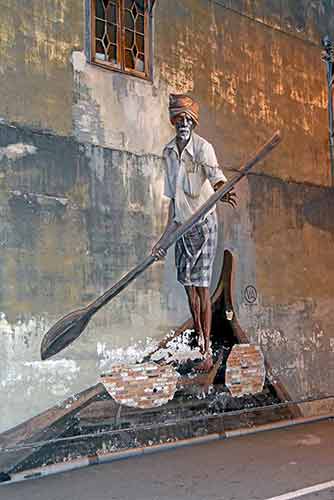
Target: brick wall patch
245,370
146,385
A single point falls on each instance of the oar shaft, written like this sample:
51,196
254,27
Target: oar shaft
121,284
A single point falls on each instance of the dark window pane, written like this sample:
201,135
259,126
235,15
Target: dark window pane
134,52
140,63
112,33
105,2
140,4
129,20
140,24
129,62
140,43
99,9
100,54
100,28
134,10
111,13
99,46
112,54
129,39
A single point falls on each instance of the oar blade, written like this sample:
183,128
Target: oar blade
64,332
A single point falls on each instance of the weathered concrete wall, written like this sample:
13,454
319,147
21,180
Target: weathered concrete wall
250,79
73,219
36,41
303,19
246,62
81,205
284,251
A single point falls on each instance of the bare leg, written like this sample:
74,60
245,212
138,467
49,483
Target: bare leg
206,320
206,313
195,308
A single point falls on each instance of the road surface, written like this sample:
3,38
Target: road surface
275,465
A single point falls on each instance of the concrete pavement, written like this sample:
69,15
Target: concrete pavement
254,467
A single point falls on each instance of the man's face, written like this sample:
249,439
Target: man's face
183,126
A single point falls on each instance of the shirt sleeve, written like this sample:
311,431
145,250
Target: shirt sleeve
210,164
168,188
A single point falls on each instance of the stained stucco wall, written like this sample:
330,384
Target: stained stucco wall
37,38
253,65
73,219
281,240
81,185
249,78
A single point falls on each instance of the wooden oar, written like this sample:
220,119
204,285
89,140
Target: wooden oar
70,327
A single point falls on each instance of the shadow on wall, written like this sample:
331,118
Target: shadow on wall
319,210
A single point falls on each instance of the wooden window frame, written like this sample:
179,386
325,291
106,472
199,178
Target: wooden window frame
146,74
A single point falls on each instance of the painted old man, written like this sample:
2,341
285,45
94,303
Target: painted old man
192,174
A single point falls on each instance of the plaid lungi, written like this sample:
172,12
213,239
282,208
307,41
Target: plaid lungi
195,252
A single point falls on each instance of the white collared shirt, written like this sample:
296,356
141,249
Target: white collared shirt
189,178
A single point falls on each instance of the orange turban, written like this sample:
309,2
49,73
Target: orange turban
180,103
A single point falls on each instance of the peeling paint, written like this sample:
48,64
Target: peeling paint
17,151
178,350
78,60
133,353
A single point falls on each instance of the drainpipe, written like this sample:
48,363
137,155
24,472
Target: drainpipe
328,58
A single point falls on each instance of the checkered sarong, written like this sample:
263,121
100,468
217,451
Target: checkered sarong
195,253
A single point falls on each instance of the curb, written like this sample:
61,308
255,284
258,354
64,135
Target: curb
88,461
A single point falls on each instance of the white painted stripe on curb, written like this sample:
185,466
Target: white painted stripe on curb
304,491
119,455
49,470
282,424
114,456
181,443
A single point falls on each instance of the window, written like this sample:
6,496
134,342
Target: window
120,35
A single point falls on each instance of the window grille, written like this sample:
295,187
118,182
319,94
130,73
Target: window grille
120,35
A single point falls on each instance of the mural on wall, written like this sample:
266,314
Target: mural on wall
81,204
194,183
204,367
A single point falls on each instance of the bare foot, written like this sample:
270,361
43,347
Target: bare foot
205,365
201,343
207,344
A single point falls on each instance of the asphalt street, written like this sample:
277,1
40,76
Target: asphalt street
269,465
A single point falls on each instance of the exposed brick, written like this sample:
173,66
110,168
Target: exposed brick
144,386
245,370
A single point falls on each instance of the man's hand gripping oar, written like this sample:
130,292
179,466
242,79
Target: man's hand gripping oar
159,251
